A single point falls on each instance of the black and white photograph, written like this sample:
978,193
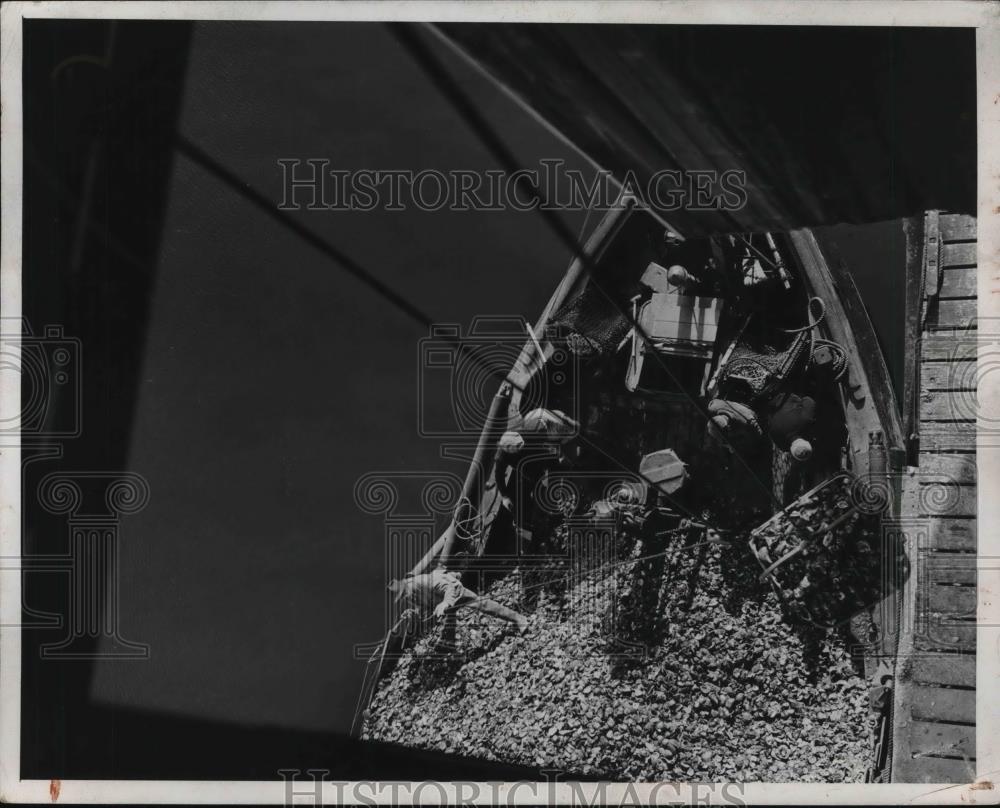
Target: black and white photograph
564,403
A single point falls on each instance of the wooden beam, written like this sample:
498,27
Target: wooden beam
952,534
936,740
914,296
956,601
947,568
942,405
959,469
938,436
944,669
937,347
948,500
909,769
957,226
958,255
958,375
961,283
941,634
953,314
944,704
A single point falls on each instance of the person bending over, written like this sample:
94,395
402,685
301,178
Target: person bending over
443,593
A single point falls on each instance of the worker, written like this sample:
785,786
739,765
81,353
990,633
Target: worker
790,424
509,450
550,426
733,425
539,443
442,591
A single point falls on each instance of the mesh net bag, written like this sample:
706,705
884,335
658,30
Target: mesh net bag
757,369
593,324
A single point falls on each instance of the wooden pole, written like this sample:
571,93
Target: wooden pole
472,490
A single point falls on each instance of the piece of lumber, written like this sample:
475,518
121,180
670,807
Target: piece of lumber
944,704
942,740
958,283
944,669
942,347
953,314
938,436
958,405
959,469
958,255
945,499
951,534
959,375
957,226
947,568
944,634
933,770
956,601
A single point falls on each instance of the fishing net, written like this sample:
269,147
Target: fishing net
593,323
757,369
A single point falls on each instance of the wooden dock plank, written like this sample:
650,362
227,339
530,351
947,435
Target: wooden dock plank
955,468
958,282
952,534
944,669
956,601
943,634
949,568
933,770
954,314
963,255
935,696
955,740
956,226
947,499
948,376
959,405
944,704
936,347
936,436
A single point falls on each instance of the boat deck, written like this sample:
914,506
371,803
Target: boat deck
934,732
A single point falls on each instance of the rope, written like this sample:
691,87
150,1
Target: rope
468,527
812,323
841,356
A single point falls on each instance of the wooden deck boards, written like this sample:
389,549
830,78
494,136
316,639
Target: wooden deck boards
935,696
952,534
945,669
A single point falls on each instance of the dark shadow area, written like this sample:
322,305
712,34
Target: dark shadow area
101,101
829,123
874,255
166,747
